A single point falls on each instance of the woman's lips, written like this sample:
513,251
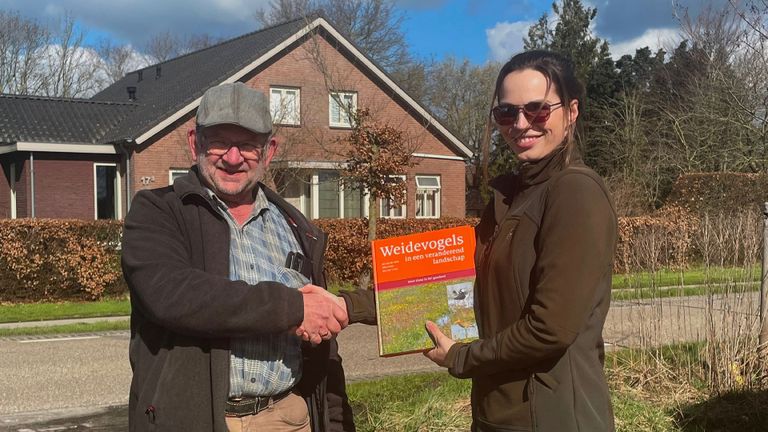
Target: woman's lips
527,141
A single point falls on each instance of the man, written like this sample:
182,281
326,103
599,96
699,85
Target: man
214,264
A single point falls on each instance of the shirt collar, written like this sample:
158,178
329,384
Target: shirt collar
260,203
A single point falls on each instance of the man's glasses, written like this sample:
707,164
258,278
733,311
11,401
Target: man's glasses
534,112
248,150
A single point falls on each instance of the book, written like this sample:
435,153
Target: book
421,277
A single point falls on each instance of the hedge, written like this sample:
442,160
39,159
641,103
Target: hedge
45,259
709,193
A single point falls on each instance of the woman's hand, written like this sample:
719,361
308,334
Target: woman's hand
442,344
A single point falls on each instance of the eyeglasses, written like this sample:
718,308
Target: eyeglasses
534,112
248,150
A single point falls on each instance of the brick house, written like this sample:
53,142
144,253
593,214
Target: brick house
85,158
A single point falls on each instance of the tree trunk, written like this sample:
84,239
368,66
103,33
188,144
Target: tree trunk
364,281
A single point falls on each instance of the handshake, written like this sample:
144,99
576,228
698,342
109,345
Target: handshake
325,315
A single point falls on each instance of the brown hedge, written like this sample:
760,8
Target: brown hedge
46,259
703,193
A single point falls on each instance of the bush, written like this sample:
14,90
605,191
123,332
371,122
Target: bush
663,239
709,193
48,259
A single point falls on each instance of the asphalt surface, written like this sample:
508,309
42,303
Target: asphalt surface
81,383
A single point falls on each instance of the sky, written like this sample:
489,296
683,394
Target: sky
478,30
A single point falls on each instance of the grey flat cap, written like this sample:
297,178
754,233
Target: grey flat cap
235,104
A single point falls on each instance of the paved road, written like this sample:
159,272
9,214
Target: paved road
55,384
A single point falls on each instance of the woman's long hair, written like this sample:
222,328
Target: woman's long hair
560,75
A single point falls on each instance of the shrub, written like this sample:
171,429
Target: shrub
663,239
47,259
710,193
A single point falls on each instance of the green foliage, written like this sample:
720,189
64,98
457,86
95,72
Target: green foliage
700,275
64,310
434,402
102,326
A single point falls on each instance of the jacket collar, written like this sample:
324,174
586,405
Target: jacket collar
533,173
191,186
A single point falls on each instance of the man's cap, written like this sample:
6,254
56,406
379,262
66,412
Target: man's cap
235,104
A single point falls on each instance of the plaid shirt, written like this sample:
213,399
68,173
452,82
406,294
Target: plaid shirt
271,363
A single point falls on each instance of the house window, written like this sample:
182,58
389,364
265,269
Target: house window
427,196
106,187
173,174
388,208
328,194
353,202
284,104
13,190
341,106
334,200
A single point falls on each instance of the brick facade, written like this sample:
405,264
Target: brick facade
315,65
314,140
20,162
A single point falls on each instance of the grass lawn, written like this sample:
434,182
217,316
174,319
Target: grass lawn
641,285
66,329
51,311
662,390
687,277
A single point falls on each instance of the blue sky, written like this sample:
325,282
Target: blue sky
479,30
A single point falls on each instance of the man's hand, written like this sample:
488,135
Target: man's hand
324,314
442,344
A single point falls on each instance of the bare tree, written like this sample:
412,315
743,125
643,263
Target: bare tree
21,41
70,67
373,25
163,46
118,60
459,94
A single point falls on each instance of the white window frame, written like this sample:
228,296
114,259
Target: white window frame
424,188
12,184
334,98
403,207
315,195
118,192
173,171
276,107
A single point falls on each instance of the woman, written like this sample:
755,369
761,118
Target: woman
545,246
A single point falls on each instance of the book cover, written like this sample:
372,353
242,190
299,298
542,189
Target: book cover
420,277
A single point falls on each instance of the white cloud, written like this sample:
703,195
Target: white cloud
506,39
653,38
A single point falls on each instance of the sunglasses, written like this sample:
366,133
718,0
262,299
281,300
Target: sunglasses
534,112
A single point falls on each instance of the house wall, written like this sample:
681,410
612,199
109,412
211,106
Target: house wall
5,187
64,184
153,160
22,184
314,140
452,185
23,208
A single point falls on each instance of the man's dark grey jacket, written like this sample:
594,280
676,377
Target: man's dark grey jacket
185,310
